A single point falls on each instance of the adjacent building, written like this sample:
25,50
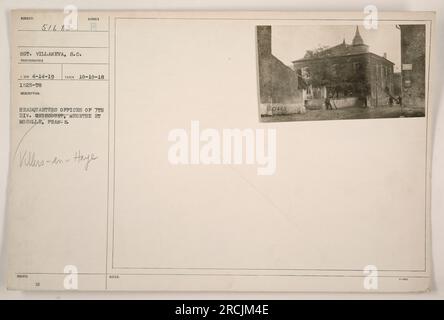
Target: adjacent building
278,83
413,65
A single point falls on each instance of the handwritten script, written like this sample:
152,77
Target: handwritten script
30,159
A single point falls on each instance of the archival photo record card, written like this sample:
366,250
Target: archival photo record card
220,151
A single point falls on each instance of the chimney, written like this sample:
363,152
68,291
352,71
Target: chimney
264,40
385,55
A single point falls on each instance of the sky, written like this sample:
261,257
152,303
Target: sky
289,43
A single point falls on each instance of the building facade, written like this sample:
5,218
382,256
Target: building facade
348,73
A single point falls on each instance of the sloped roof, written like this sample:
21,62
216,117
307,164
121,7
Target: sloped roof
343,49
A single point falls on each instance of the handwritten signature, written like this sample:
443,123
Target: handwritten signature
31,160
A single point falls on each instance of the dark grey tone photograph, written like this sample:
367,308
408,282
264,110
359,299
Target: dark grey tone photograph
341,72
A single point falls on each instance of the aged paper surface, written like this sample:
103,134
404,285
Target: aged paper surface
230,151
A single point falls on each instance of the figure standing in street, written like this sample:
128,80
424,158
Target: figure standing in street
391,101
328,103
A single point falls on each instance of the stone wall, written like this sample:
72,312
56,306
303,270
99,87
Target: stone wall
278,83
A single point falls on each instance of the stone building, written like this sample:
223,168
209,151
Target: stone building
349,73
278,83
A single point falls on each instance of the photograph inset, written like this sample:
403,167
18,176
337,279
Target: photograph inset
341,72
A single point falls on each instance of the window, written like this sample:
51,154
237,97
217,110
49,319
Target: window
334,69
305,72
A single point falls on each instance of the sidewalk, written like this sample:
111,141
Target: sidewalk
350,113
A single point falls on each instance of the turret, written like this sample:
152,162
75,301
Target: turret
358,42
